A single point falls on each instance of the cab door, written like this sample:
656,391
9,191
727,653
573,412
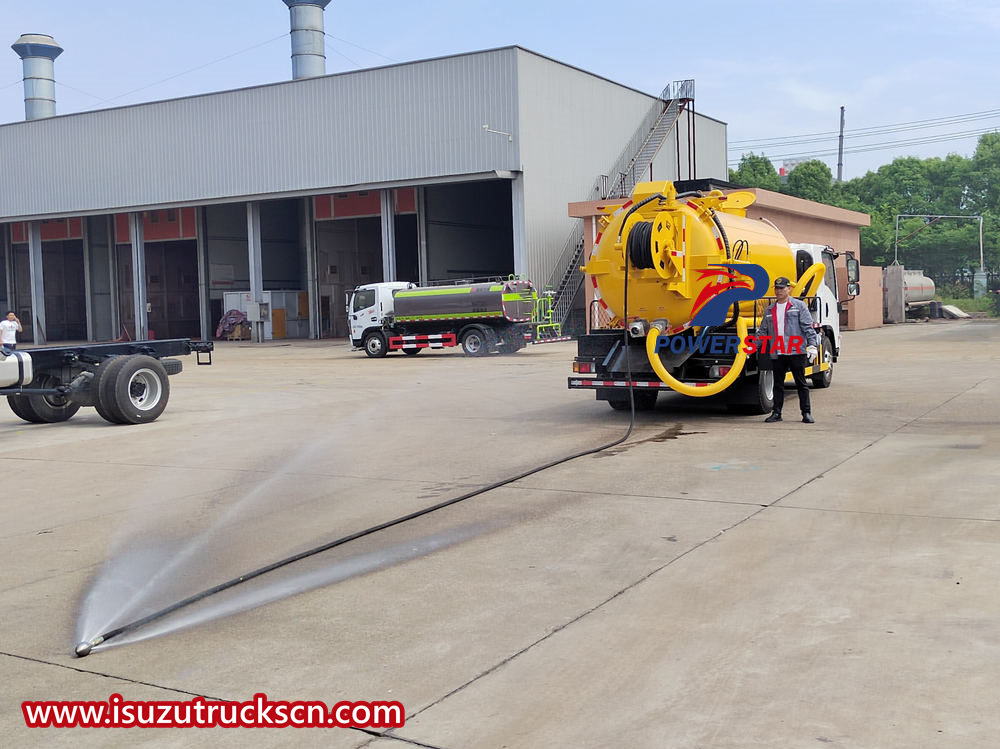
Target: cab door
364,313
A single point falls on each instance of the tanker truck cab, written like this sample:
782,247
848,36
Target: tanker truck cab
370,311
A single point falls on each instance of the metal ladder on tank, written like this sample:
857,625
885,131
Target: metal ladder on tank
630,168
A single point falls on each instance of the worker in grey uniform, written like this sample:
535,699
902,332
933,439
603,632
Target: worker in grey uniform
789,326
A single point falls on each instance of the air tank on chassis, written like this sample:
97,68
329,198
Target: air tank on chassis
693,267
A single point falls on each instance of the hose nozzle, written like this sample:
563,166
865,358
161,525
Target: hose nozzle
83,649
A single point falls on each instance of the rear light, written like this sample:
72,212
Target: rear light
718,371
582,367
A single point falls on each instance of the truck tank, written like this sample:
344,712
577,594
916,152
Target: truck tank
670,243
511,300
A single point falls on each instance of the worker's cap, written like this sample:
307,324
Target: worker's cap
781,282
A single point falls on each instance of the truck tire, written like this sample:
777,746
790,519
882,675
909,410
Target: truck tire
754,396
645,400
510,342
475,342
102,389
22,408
825,379
51,409
412,351
173,366
141,389
375,345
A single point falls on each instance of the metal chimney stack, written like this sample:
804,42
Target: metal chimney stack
308,43
38,53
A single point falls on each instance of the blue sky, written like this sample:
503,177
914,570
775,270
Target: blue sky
769,69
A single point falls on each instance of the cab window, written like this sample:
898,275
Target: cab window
364,299
830,277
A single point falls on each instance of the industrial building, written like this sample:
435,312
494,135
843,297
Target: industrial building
154,219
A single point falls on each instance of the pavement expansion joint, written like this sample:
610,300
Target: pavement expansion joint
109,676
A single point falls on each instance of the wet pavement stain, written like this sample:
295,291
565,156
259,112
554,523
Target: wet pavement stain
670,433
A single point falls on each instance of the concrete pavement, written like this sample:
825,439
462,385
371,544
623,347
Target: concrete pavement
713,582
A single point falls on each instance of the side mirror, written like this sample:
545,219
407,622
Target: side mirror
854,288
853,272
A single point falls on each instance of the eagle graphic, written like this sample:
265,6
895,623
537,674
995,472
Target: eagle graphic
716,298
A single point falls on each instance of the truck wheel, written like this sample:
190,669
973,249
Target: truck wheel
645,400
510,343
22,408
102,388
754,396
825,379
141,389
474,342
375,345
51,408
412,351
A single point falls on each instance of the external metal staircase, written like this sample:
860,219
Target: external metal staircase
631,168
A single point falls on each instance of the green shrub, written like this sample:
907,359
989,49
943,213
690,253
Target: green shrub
987,304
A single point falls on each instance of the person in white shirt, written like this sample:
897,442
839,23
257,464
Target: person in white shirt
792,340
9,329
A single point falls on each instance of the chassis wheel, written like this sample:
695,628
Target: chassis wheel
102,389
141,389
22,408
412,351
824,379
375,345
475,342
51,408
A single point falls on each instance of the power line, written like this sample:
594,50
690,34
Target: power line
866,131
359,47
195,69
866,147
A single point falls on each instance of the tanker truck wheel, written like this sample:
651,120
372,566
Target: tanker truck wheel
375,345
825,379
645,400
754,396
475,343
51,408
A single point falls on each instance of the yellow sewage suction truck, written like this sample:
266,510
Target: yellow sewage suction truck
685,279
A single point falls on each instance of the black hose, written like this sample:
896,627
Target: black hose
132,626
640,244
628,356
725,239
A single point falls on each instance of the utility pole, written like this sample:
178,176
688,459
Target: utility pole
840,149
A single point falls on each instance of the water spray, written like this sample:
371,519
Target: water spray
84,648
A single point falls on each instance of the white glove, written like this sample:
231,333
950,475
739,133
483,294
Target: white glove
812,353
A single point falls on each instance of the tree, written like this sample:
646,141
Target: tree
755,171
811,180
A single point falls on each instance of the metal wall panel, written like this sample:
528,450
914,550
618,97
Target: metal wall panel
573,126
709,142
413,121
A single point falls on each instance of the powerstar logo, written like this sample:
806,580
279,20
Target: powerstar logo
712,306
715,300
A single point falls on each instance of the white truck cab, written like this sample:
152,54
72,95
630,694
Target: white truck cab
369,306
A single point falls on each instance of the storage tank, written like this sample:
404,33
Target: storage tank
511,300
671,241
917,288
